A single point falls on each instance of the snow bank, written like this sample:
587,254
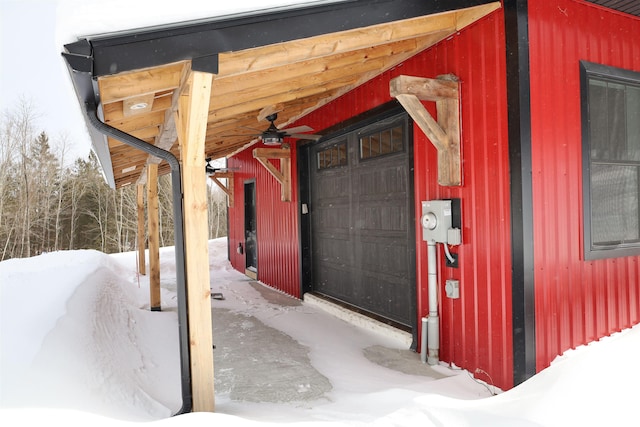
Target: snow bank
84,338
80,347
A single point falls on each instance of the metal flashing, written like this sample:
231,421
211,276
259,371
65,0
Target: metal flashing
632,7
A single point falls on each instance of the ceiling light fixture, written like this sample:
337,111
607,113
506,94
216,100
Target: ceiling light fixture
139,106
272,140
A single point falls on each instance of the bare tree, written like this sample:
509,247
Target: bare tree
165,201
75,190
63,172
8,144
125,219
44,173
217,203
46,204
18,135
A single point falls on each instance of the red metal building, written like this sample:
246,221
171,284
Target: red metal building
577,299
532,282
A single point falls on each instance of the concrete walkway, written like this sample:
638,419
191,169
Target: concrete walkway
266,344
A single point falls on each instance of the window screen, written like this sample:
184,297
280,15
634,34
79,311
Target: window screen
611,161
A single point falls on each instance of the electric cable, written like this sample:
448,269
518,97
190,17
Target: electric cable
446,251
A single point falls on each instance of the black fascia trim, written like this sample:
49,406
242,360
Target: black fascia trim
131,50
304,222
364,119
79,47
519,123
86,91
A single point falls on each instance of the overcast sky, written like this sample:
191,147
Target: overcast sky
31,68
32,38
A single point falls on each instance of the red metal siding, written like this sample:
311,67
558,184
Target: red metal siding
277,224
476,329
577,301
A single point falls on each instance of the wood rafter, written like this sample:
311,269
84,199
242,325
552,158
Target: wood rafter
444,133
167,133
293,77
283,176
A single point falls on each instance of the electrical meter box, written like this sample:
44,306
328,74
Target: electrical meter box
436,220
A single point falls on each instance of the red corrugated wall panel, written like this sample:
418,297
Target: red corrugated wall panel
577,301
476,329
277,224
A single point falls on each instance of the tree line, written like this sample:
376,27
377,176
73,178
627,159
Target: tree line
49,203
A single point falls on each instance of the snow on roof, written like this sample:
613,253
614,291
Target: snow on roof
79,18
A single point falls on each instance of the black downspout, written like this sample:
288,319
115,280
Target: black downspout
178,215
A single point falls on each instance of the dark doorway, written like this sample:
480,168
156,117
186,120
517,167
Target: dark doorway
361,232
250,230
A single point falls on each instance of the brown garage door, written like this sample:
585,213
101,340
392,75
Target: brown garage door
362,235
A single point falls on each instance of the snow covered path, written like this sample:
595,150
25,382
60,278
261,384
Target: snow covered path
80,347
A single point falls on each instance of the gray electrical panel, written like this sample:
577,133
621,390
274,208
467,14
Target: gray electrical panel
436,220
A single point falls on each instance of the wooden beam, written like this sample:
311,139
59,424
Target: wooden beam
228,189
150,80
328,45
283,176
312,72
167,134
326,85
142,241
191,124
154,238
444,133
138,123
425,121
425,89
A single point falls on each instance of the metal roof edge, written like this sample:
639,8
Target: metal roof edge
152,46
83,85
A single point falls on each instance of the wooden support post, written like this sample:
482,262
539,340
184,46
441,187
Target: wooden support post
443,134
142,240
283,176
154,238
192,113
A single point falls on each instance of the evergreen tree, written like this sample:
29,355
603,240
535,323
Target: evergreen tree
46,206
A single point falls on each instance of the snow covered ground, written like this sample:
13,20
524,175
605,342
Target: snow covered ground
79,346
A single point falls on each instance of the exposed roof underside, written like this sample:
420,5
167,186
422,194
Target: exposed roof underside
290,62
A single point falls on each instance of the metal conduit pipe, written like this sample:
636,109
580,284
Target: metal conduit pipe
433,322
91,112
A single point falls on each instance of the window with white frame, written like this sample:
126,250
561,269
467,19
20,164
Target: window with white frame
610,160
